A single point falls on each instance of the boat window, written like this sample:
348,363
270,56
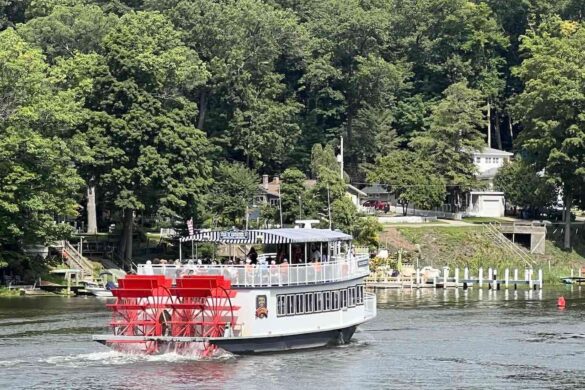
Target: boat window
327,299
308,302
318,301
281,309
360,294
352,291
334,300
290,304
343,298
300,303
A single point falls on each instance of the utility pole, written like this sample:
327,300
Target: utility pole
329,206
280,206
341,157
300,207
489,124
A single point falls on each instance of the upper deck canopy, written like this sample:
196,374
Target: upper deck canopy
270,236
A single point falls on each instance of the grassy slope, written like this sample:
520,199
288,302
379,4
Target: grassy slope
469,247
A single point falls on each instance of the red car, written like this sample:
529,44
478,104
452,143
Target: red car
377,204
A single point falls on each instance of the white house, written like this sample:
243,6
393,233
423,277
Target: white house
269,191
356,195
488,203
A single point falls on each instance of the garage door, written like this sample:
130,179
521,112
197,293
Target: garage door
491,208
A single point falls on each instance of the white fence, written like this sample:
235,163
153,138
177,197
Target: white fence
266,275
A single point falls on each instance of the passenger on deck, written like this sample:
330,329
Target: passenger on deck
253,256
274,276
148,268
316,255
178,267
249,272
298,255
284,271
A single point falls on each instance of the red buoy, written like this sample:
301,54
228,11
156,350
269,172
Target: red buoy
561,302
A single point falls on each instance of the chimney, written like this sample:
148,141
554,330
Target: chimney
276,180
265,182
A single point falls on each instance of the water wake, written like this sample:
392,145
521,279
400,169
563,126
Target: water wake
113,358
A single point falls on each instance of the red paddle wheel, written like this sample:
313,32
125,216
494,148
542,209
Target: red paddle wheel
150,313
203,308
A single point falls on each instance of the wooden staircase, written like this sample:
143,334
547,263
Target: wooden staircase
493,232
74,259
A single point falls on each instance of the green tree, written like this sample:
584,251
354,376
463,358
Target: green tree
343,214
249,46
352,83
551,108
233,192
67,30
323,157
525,187
292,191
411,177
146,154
367,231
38,181
453,137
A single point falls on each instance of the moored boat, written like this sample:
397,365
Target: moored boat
316,299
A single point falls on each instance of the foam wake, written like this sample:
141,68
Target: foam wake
122,358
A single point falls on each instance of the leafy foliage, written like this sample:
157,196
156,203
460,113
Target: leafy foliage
524,186
234,190
453,137
551,107
151,94
412,177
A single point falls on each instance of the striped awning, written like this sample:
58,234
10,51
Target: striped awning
269,236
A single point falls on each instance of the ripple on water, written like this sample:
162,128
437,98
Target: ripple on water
11,363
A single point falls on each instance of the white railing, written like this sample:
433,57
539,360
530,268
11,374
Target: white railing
370,305
266,275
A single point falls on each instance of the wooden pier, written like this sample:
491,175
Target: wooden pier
491,279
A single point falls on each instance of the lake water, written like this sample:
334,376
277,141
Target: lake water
420,339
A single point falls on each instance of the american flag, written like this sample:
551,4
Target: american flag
190,227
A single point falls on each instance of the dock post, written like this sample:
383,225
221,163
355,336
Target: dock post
445,276
540,279
480,282
529,273
507,277
466,273
515,278
490,274
495,285
418,278
434,281
456,277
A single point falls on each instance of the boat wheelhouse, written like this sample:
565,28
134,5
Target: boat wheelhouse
316,299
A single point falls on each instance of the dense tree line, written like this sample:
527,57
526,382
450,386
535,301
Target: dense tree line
174,107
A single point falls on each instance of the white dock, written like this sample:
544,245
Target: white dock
490,279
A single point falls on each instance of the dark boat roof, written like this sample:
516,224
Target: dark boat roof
270,236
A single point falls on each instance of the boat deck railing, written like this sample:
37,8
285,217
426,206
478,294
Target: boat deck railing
370,305
267,275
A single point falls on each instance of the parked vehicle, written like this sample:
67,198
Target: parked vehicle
381,205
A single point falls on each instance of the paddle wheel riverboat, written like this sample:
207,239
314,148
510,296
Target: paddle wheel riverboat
316,300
